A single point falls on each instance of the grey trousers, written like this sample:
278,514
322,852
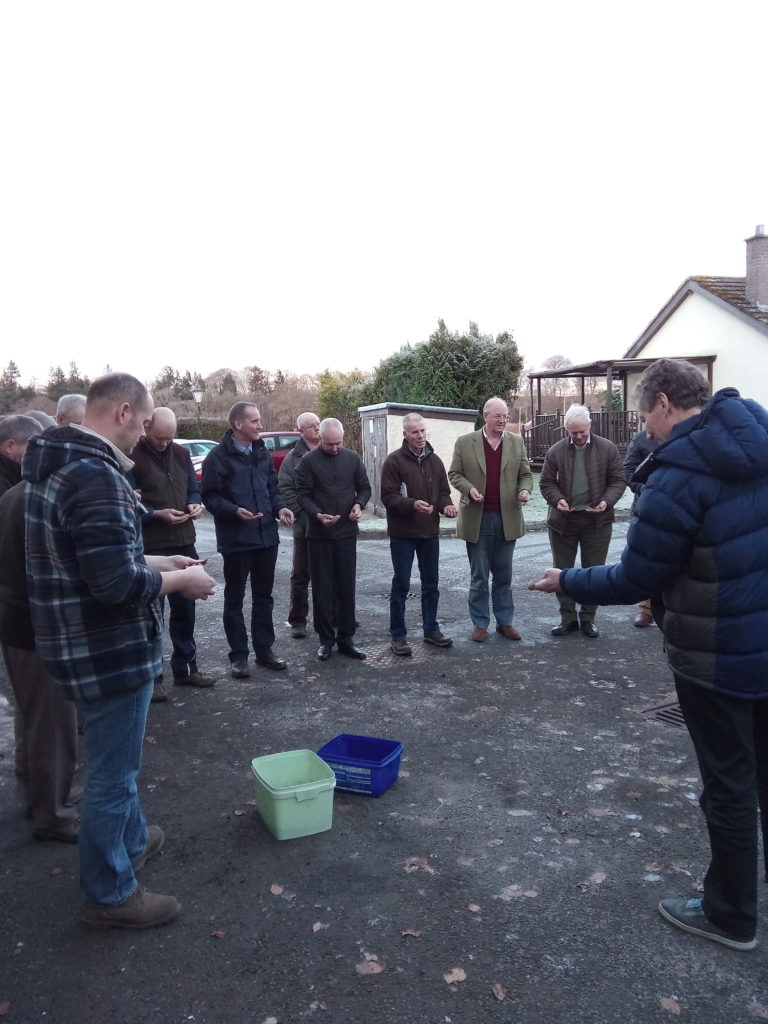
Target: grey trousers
49,732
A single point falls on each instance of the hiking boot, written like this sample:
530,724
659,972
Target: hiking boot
142,909
240,669
438,640
509,632
155,841
194,679
159,694
479,635
401,647
688,915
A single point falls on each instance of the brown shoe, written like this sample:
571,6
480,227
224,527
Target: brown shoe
643,618
509,632
155,841
69,833
159,694
194,679
479,635
142,909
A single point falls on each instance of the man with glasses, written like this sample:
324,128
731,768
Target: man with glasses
490,470
581,480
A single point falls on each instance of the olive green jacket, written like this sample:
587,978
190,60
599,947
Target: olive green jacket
468,471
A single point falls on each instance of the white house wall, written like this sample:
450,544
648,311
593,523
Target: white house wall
702,327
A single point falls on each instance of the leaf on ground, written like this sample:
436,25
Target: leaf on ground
530,893
55,871
601,812
239,813
455,974
634,796
270,1020
5,1008
486,707
473,907
276,890
415,932
670,1005
660,828
465,862
317,1005
318,926
418,864
372,966
582,885
518,812
160,778
219,933
403,775
499,991
758,1011
495,842
510,892
598,877
150,739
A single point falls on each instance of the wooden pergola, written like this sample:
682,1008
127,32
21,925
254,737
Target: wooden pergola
619,426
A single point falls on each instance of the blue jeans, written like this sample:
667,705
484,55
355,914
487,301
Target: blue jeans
491,556
113,831
427,551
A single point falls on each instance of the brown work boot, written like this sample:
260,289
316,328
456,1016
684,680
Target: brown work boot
479,635
194,679
155,840
509,632
142,909
643,618
159,694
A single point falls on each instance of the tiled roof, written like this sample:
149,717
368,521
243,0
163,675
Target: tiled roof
731,290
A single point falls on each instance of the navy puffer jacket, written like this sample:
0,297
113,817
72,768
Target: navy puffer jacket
699,542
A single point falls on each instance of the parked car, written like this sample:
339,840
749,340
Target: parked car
278,443
198,449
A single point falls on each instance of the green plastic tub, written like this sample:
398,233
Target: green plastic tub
294,793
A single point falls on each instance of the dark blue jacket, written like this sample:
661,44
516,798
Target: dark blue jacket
699,541
234,479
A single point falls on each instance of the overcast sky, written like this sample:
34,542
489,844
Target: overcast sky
304,185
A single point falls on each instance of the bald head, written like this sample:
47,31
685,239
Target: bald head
162,428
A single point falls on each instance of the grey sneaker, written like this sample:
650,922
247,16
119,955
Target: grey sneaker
154,845
240,669
142,909
402,648
688,915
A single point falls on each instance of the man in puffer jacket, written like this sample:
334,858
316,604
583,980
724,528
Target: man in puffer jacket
699,543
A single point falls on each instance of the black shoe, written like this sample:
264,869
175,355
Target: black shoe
240,669
566,626
324,651
298,630
351,651
688,915
268,660
589,629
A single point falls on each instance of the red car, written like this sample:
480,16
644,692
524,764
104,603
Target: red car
278,443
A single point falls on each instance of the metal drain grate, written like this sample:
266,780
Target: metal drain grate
670,714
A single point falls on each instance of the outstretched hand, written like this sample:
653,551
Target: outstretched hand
549,582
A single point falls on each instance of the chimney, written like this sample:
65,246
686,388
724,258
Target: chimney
757,268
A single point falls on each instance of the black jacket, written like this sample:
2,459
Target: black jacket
332,484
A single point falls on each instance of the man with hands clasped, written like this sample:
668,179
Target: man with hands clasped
581,480
240,490
491,472
333,489
415,492
165,480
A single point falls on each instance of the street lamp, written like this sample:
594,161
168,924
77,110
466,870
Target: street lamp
197,394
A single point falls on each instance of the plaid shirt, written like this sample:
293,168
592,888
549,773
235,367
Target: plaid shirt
92,597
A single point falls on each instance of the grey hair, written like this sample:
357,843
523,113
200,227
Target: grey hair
331,423
410,418
576,412
490,402
18,428
42,418
301,419
67,403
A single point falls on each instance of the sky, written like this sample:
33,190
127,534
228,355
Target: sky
311,185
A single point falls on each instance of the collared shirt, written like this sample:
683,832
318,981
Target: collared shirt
589,439
245,449
490,442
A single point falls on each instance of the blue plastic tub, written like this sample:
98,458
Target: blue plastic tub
363,764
